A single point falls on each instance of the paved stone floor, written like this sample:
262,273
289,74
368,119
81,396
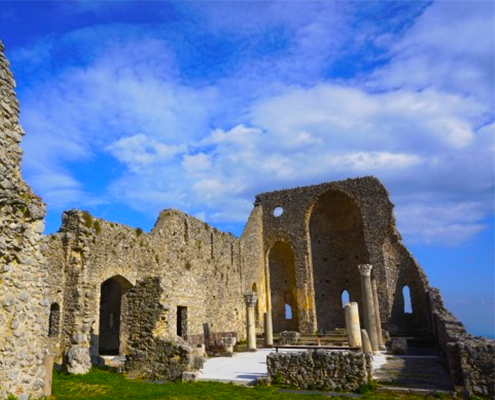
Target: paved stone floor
246,367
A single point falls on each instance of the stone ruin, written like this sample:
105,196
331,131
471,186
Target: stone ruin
97,288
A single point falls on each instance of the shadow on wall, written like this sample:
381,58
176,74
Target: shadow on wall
282,270
337,248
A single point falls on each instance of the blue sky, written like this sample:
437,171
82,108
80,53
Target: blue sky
133,107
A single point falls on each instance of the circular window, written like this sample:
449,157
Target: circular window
278,211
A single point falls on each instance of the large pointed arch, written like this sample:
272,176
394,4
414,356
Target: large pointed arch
337,247
281,263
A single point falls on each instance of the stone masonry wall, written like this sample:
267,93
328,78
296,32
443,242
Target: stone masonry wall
471,359
200,267
24,309
320,369
153,353
315,221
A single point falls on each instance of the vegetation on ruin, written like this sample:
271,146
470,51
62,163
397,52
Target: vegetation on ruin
103,385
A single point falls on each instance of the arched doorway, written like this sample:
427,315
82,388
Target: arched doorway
112,291
337,247
283,290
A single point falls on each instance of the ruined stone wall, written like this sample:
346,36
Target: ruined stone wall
24,309
332,228
320,369
153,353
253,275
200,267
471,359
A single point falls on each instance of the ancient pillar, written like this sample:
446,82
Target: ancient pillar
268,329
368,305
352,324
366,342
250,321
381,345
47,384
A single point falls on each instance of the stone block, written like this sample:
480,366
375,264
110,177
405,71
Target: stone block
191,376
398,346
288,337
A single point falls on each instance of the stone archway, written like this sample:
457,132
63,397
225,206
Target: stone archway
110,332
281,262
337,247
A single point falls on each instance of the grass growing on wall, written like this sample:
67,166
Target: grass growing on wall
103,385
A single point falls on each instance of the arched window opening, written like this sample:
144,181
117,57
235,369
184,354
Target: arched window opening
288,312
54,320
406,293
345,298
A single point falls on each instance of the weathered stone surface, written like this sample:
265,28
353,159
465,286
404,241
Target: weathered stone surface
24,307
471,359
78,360
82,286
191,376
320,369
288,337
398,345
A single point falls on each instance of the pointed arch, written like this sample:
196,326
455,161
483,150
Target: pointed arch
282,271
337,241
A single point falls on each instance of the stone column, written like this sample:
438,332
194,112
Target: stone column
268,329
250,321
381,345
352,324
368,305
47,385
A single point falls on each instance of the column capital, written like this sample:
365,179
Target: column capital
365,269
250,299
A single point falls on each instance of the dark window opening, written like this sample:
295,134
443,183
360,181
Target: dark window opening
182,322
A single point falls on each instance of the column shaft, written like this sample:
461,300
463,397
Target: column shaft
352,324
368,305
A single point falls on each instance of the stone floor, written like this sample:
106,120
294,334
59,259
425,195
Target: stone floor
245,368
414,372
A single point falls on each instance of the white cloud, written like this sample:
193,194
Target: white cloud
450,47
272,117
440,222
139,151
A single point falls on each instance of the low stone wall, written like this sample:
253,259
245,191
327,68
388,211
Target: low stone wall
320,369
471,359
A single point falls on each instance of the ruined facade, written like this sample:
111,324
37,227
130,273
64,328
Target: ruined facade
98,288
23,277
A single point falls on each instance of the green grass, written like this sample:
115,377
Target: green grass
103,385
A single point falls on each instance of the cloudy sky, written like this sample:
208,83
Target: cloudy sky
133,107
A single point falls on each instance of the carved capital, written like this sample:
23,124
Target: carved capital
365,269
250,299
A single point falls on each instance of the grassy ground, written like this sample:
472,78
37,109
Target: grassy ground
102,385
